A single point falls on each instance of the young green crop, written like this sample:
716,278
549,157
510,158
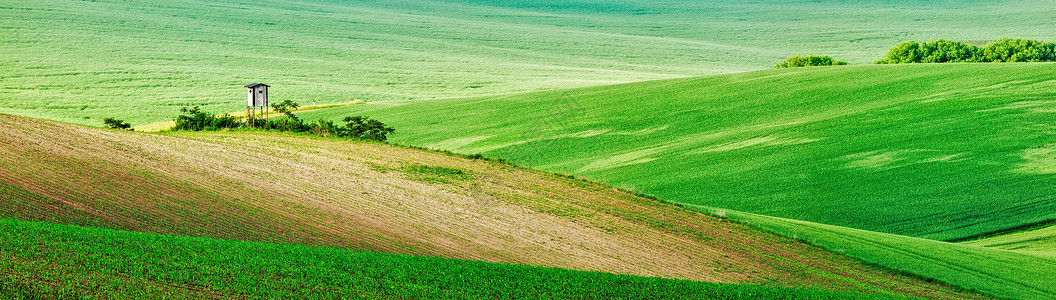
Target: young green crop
44,260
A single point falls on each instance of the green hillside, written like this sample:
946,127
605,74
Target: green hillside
936,151
81,61
942,152
43,260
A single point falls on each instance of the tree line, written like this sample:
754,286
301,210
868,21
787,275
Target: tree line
946,51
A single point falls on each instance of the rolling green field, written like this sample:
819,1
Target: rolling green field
944,172
887,154
942,152
43,260
81,61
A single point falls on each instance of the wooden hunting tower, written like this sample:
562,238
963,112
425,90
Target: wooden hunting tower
258,97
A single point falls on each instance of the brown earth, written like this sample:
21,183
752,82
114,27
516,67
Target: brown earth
287,188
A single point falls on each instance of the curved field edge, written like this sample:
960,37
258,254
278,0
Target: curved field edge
301,189
992,271
43,260
1040,240
940,151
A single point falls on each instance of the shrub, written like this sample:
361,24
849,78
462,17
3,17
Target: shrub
289,122
323,127
809,61
284,123
196,120
117,124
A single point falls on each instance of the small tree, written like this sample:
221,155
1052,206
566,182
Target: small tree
287,107
117,124
365,128
291,122
809,61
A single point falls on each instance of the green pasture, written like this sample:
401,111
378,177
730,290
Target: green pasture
43,260
944,152
139,60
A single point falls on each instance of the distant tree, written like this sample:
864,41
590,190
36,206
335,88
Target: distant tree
809,61
942,51
903,53
116,124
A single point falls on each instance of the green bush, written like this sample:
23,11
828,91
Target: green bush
905,52
116,124
284,123
809,61
195,119
289,122
323,128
